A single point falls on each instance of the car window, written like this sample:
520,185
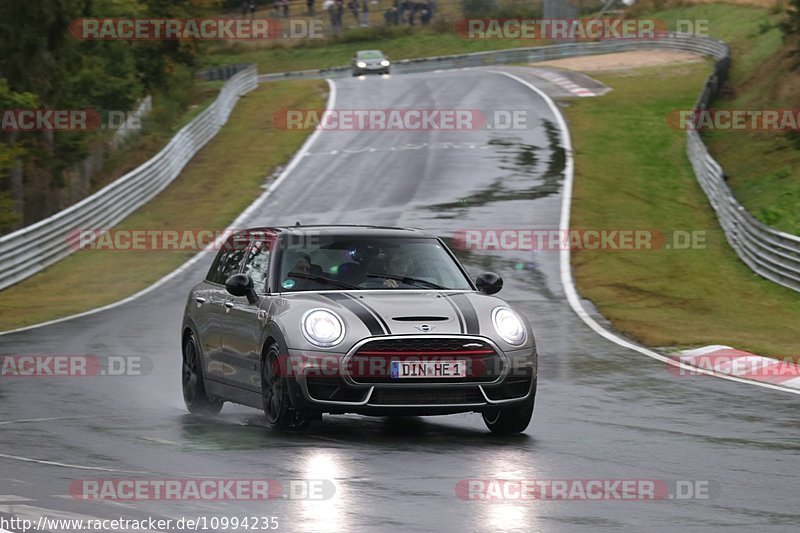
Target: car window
370,54
257,264
227,261
368,263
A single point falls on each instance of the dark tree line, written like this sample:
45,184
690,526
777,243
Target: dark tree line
43,65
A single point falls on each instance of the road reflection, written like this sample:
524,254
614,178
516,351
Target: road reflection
328,514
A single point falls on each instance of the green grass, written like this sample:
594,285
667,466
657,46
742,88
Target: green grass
763,168
217,185
632,172
396,43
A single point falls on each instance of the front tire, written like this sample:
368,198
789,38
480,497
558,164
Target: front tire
510,420
195,397
275,394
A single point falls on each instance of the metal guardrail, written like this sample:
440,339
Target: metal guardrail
35,247
224,72
770,253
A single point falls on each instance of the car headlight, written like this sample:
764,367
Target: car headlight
361,64
385,63
322,327
509,326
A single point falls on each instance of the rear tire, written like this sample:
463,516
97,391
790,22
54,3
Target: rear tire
197,400
275,395
510,420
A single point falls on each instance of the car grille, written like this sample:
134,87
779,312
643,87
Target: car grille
426,397
371,363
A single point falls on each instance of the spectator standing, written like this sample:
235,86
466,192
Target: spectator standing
310,7
391,16
424,14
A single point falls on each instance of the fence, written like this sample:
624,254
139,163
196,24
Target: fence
35,247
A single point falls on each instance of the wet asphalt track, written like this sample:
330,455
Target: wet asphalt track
602,412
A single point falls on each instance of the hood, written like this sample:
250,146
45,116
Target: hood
393,312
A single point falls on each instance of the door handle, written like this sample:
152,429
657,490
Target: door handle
200,300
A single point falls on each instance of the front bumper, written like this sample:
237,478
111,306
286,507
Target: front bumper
324,382
370,69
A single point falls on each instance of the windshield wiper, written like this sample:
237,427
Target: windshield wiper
407,280
323,280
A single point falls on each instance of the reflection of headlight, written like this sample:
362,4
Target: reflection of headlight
385,63
361,64
322,327
508,325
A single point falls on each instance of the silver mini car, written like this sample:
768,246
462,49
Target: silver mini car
305,320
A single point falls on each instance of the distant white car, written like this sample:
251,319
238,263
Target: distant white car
370,62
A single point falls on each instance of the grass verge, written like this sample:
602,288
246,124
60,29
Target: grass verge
632,173
395,42
217,185
763,168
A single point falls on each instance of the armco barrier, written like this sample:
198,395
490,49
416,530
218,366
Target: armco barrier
770,253
35,247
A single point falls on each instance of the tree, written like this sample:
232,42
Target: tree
10,155
791,25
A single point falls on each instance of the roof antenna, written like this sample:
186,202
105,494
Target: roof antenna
296,223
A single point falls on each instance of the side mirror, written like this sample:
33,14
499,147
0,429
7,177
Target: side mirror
241,285
489,283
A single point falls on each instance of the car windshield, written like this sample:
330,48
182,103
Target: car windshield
347,263
370,54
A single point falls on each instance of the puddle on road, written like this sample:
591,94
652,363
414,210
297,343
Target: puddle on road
236,432
528,175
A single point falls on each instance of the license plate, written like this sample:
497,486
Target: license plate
429,369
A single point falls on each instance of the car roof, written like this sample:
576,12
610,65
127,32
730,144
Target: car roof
346,230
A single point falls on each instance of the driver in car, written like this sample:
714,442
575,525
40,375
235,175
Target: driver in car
398,265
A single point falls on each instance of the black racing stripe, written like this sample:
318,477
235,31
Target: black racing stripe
458,313
470,316
357,309
372,310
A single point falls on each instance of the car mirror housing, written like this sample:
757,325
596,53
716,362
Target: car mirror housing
241,285
489,283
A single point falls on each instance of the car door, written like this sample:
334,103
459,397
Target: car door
243,320
227,263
